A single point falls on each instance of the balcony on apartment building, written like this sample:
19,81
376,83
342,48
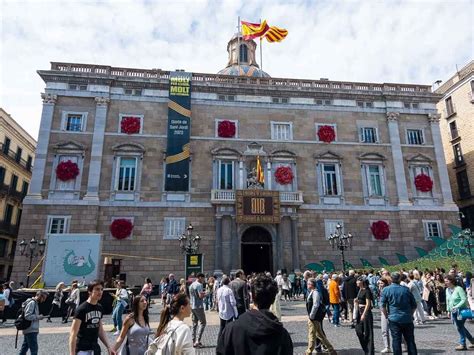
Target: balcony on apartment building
8,228
9,191
15,158
228,197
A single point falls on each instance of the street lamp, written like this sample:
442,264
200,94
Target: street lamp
341,241
32,252
465,236
188,242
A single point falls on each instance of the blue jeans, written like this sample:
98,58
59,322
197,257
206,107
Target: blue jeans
463,332
335,314
30,341
117,315
408,332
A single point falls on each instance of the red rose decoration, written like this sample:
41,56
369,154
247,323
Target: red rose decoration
121,228
284,175
326,134
226,129
67,170
130,125
423,183
380,230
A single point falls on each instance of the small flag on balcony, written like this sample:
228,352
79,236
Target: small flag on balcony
260,175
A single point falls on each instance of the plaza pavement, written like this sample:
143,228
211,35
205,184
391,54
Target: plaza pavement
436,337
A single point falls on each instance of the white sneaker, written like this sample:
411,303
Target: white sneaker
117,333
386,351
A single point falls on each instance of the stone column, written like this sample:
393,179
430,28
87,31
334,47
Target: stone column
218,246
241,175
235,246
433,118
268,183
41,154
294,243
276,250
95,164
398,165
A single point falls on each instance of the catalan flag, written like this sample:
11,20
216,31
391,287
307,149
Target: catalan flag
254,30
260,175
275,34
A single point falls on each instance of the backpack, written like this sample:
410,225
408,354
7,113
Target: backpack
165,344
324,296
21,323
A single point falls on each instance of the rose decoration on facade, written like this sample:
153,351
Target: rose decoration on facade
326,134
380,230
130,125
423,183
284,175
121,228
226,129
67,170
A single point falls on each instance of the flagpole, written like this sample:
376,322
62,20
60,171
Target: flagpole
261,59
238,45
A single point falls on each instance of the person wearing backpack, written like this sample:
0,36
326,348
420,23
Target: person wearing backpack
173,336
30,311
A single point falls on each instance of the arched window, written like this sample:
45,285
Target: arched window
243,53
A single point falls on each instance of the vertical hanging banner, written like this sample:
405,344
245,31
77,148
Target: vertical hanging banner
179,122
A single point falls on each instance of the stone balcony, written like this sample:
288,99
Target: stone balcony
228,197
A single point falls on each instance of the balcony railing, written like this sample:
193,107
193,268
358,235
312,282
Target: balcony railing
228,197
10,191
8,228
12,156
449,111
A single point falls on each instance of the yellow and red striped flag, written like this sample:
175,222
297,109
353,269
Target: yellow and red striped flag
275,34
254,30
260,175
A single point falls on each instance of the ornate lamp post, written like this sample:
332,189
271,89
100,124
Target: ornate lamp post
341,241
35,249
188,242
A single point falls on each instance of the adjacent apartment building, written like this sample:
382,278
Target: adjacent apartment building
457,128
17,150
158,150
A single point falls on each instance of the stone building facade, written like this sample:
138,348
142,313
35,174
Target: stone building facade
385,135
457,112
17,151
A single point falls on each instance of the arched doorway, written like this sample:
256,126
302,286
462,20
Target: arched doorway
256,250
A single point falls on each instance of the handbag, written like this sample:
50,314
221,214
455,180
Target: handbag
466,313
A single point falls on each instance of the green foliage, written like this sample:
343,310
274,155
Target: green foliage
463,263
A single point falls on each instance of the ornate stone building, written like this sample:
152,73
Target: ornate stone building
333,152
457,112
17,150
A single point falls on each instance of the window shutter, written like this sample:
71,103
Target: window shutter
361,133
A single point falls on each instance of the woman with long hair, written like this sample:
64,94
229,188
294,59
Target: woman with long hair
364,321
58,296
136,329
172,321
72,301
429,296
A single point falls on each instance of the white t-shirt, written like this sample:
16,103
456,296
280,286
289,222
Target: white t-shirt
184,341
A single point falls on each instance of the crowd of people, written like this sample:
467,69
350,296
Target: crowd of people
249,310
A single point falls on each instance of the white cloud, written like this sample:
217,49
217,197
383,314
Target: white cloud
372,40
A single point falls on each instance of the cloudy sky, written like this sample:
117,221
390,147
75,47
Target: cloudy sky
405,41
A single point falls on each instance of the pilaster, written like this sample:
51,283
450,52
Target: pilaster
398,165
294,243
218,247
95,164
41,154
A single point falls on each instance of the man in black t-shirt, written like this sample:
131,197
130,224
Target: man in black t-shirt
87,326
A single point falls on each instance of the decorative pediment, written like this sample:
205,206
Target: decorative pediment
69,147
283,154
255,148
372,156
327,156
419,158
225,152
129,148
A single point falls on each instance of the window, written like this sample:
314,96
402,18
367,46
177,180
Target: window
283,187
8,213
330,226
69,184
19,151
374,181
227,97
282,131
58,224
74,123
216,127
417,170
18,216
432,229
28,162
124,115
77,87
2,174
280,100
368,135
226,175
449,106
406,105
453,129
330,179
243,53
458,158
360,103
369,104
174,227
3,247
14,182
414,106
24,188
463,184
126,174
6,145
134,92
415,136
319,125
